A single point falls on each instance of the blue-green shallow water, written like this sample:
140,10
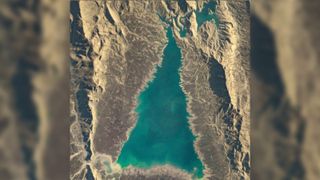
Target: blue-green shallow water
162,134
207,13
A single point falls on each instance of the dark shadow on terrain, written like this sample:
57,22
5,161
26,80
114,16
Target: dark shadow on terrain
26,63
267,76
217,82
23,89
169,6
23,67
263,55
84,81
231,118
26,111
83,102
85,116
108,16
76,34
264,66
89,175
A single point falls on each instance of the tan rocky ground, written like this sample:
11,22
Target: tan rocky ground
34,103
116,46
285,90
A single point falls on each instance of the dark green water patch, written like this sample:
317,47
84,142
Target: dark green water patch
182,30
207,13
183,5
162,134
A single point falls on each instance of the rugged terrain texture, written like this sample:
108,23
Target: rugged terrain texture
116,46
34,104
285,111
215,78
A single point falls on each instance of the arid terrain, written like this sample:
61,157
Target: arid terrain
116,46
285,90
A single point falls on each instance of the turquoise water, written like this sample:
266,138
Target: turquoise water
162,134
207,13
183,30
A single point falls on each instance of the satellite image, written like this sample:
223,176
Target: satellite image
160,89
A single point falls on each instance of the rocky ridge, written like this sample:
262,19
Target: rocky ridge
122,42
